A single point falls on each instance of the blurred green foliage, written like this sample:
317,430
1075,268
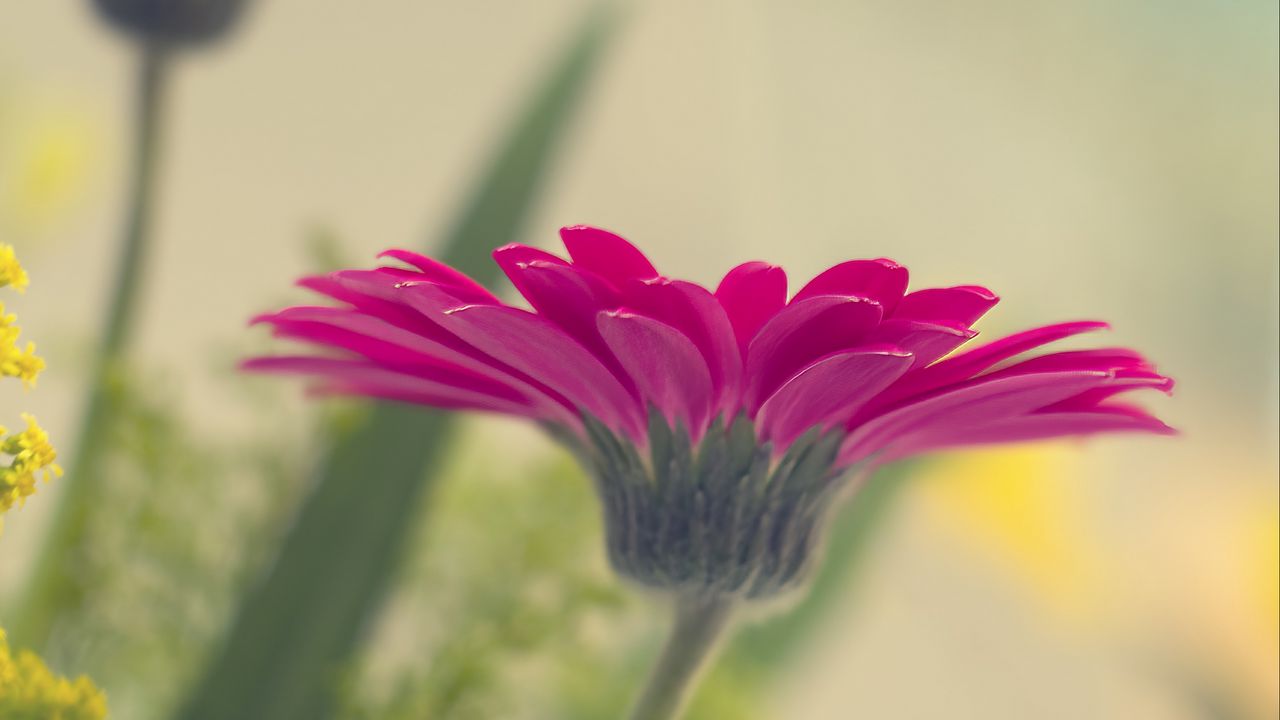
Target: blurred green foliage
296,630
173,502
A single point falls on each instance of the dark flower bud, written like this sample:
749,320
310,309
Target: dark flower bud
176,22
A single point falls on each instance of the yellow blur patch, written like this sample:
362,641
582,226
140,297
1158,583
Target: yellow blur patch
45,156
1021,508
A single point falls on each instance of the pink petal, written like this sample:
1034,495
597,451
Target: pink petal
961,305
971,362
1095,359
364,378
750,294
828,392
980,401
803,332
389,344
694,311
416,306
883,281
606,254
436,271
666,367
1034,426
1125,381
571,298
508,256
925,340
535,346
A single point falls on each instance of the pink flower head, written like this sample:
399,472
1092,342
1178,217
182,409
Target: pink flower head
718,424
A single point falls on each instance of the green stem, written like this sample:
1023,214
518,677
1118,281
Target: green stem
54,587
699,623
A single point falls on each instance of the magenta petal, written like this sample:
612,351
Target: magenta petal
436,271
664,364
540,349
828,392
750,294
371,294
694,311
1122,381
1095,359
883,281
926,341
365,378
961,305
606,254
1034,426
801,333
981,401
389,344
969,363
508,256
571,298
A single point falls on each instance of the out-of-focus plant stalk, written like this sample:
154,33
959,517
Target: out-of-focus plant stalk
54,587
700,622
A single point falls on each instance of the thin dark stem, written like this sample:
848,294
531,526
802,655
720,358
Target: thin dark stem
699,623
54,586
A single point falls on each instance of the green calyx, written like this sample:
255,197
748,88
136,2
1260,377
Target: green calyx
724,518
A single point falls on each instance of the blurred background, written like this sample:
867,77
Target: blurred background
1096,159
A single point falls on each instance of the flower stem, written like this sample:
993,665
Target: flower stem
54,587
699,623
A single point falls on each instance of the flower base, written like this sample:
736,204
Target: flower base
722,518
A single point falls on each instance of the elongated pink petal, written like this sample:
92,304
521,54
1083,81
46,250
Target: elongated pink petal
1097,359
750,294
883,281
1033,426
540,349
978,401
384,342
1126,380
374,306
801,333
668,369
606,254
829,391
694,311
961,305
926,341
363,377
436,271
969,363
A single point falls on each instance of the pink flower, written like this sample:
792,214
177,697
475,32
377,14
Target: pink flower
734,414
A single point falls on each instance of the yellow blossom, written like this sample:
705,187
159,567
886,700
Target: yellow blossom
29,691
34,457
16,360
11,271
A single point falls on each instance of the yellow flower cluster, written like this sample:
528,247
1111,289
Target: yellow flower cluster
33,457
29,691
16,360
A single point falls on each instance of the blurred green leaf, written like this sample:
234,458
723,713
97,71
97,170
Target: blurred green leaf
297,629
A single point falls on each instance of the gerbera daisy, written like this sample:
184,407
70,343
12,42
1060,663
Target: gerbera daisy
720,426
